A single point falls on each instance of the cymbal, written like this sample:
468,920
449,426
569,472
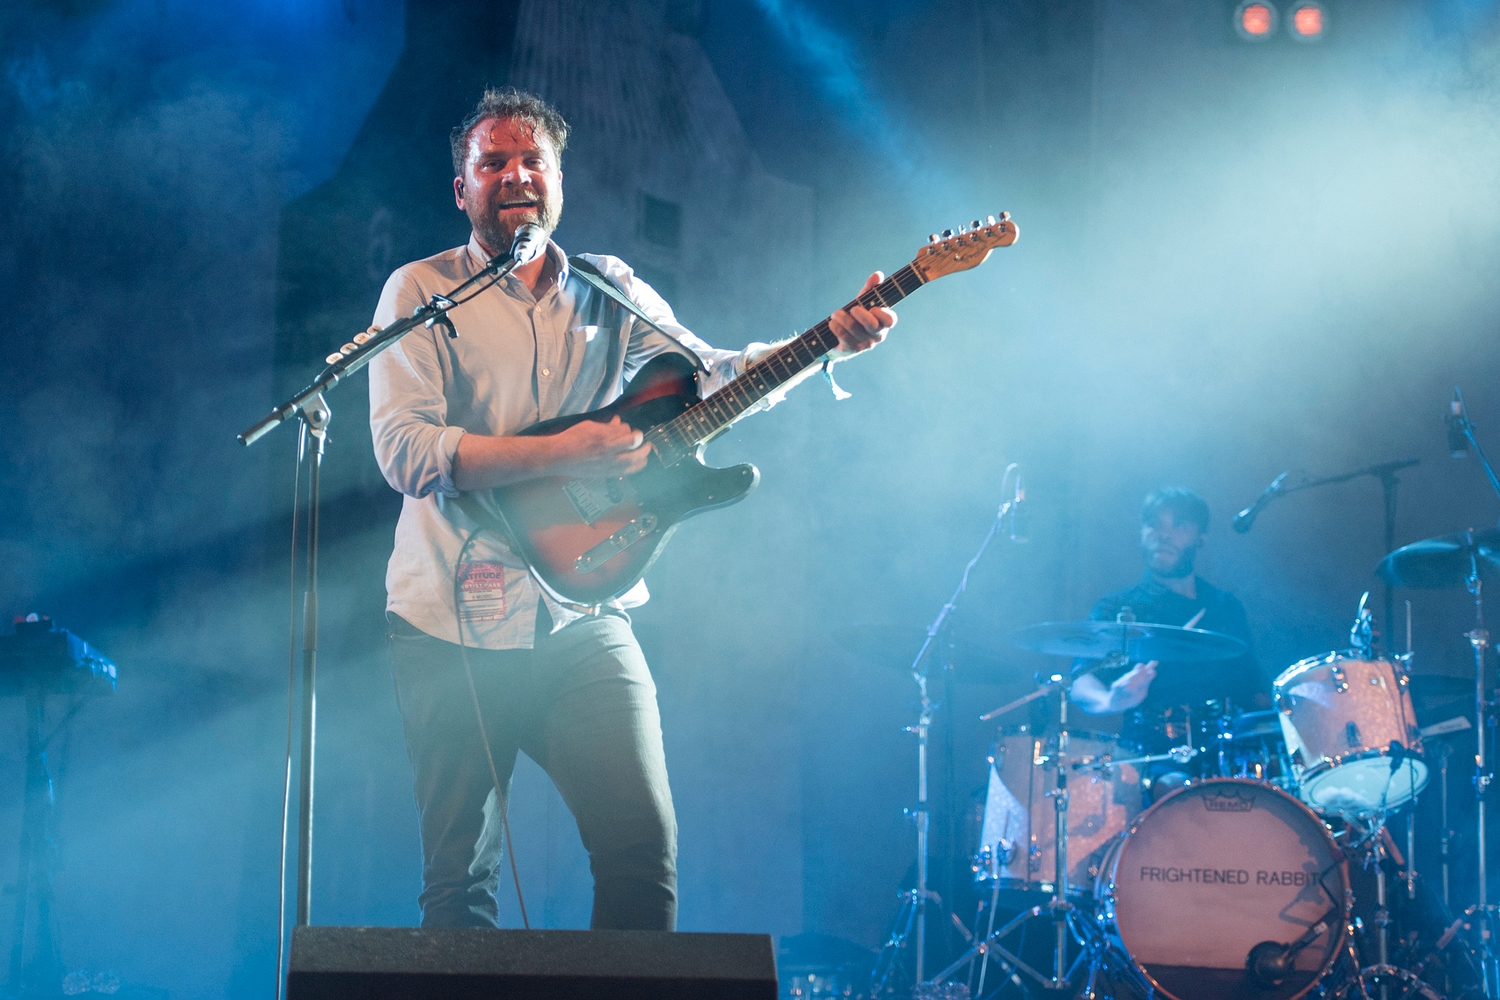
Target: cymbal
1436,563
895,646
1093,640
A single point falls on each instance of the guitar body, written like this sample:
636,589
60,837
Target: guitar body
591,540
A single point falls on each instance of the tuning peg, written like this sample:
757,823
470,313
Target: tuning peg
977,224
933,238
990,219
947,233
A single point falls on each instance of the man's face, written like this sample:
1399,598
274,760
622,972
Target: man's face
511,176
1170,546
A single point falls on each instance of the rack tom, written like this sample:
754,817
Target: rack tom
1351,733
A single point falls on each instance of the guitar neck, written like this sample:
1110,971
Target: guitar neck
701,421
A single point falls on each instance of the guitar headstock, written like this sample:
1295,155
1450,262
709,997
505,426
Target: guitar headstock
966,248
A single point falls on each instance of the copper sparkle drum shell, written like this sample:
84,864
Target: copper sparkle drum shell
1214,869
1340,713
1019,808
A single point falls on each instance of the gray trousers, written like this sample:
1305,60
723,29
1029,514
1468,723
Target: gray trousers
581,704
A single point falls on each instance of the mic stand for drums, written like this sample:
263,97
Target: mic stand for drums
913,915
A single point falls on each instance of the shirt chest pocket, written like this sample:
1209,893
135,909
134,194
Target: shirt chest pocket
583,334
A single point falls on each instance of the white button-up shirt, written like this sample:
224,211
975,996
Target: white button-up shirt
517,360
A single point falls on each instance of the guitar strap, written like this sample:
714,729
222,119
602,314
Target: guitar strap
591,275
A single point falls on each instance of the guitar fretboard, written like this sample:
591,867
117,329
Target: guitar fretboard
680,436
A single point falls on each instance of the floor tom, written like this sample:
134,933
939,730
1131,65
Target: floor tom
1017,837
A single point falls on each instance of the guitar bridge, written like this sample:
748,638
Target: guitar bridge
615,544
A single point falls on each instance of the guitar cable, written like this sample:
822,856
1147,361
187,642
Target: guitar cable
502,801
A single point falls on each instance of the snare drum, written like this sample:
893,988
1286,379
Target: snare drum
1341,716
1017,845
1254,747
1214,869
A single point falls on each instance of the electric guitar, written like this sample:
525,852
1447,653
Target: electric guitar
589,540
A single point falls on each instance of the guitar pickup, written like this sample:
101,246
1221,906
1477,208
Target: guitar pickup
593,498
615,544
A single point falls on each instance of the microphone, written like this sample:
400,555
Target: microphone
1458,440
1245,518
529,242
1269,962
1020,514
1399,754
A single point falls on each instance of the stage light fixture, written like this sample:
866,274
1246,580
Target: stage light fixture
1255,20
1307,20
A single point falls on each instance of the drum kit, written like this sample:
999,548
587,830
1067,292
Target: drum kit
1219,866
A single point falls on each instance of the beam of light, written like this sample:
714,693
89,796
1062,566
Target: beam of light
839,74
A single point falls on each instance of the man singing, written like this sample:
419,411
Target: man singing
485,663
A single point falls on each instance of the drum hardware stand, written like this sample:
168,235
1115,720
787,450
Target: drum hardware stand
913,914
1479,639
1180,755
1068,921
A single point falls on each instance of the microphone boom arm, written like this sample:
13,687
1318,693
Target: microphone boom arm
362,349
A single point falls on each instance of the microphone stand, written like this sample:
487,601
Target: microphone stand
1386,473
312,409
914,910
1479,639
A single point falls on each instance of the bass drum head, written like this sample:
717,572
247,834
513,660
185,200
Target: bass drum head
1211,871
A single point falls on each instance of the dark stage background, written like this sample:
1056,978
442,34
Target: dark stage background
1235,260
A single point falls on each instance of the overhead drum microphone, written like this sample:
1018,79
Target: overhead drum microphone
1020,514
1245,518
1458,438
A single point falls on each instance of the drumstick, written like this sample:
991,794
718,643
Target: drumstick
1191,622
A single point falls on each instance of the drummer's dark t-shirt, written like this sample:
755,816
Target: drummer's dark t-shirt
1238,680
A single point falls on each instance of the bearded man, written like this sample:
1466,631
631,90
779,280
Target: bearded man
1174,522
486,663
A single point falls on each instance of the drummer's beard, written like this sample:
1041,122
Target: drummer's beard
1180,568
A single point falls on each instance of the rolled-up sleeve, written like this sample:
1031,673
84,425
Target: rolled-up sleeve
414,445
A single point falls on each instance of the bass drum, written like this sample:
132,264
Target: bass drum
1214,869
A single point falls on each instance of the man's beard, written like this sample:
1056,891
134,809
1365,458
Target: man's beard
499,236
1183,567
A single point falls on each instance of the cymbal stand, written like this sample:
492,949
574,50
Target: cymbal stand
1479,639
1068,920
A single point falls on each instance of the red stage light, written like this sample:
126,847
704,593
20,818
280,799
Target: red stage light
1255,20
1308,21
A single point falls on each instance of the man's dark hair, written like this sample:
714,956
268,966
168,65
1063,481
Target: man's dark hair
1186,506
508,102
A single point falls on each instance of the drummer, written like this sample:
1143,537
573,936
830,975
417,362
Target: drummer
1174,522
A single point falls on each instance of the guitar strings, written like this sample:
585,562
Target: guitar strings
734,392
